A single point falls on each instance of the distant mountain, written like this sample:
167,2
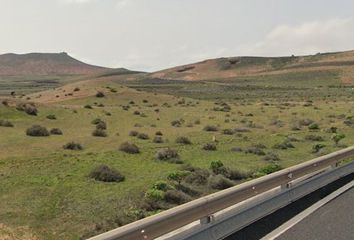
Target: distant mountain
236,67
37,64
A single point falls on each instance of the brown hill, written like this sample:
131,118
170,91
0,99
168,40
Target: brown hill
233,67
38,64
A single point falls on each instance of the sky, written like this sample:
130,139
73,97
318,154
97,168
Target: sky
151,35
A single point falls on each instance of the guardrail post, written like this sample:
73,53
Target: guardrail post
207,219
288,184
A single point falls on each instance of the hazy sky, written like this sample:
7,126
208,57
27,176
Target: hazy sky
156,34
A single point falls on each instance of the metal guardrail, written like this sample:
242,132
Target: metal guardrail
169,220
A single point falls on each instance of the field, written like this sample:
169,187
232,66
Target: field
146,142
46,191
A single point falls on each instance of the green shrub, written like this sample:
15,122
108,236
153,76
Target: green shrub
336,138
162,186
52,117
129,148
317,147
183,140
314,126
284,145
96,121
73,146
88,106
217,167
106,174
37,131
177,176
154,194
268,170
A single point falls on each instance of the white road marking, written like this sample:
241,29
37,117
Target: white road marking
298,218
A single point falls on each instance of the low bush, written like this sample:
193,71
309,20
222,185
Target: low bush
155,194
99,133
162,186
220,182
228,132
217,167
183,140
284,145
237,149
305,122
96,121
314,138
235,174
106,174
176,197
101,126
314,126
210,128
241,130
157,139
88,106
5,103
133,133
5,123
37,131
28,108
129,148
168,155
268,170
271,157
198,177
255,150
73,146
100,94
209,147
52,117
176,123
56,131
317,147
143,136
158,133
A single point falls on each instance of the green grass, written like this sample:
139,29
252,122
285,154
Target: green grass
47,189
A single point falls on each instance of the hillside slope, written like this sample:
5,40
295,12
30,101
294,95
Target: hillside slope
232,67
44,64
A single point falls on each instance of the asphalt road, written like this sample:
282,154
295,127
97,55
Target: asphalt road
335,220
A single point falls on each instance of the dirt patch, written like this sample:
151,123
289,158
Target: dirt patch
18,233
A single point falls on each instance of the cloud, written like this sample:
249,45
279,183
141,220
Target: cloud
306,38
77,1
122,3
